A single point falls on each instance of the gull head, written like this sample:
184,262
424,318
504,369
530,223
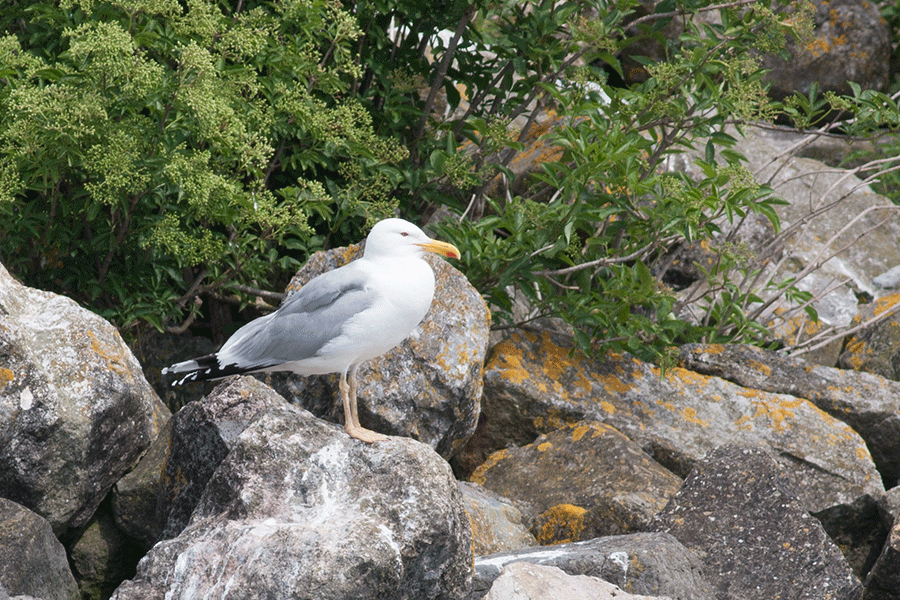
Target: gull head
396,237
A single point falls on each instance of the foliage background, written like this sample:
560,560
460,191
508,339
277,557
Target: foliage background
160,158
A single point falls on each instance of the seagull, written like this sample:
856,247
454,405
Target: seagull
338,319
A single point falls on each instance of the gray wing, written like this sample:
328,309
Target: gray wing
306,321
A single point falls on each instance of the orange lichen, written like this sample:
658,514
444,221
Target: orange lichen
613,384
560,524
478,475
6,375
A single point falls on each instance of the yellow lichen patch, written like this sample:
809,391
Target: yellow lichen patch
607,407
510,362
478,475
886,303
558,359
779,414
563,523
579,432
862,453
613,384
6,375
689,414
544,447
758,366
114,359
688,377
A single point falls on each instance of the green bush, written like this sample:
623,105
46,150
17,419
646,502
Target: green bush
153,152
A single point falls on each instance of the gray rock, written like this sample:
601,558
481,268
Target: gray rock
587,480
496,522
870,404
534,383
888,280
156,500
738,510
876,347
297,509
527,581
850,42
654,564
102,556
32,561
427,388
75,410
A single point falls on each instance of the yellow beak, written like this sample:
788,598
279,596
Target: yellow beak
442,248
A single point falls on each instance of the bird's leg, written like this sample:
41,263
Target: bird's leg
354,407
351,418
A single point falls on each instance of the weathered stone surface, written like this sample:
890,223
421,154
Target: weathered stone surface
32,561
590,466
427,388
496,522
883,581
876,349
527,581
850,42
833,225
534,384
738,510
156,500
102,557
75,410
297,509
652,564
868,403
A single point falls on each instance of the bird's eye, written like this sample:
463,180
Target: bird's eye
404,233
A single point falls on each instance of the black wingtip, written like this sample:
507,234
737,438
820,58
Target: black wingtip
208,368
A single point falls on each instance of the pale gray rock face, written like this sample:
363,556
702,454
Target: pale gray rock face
32,561
75,410
526,581
653,564
297,509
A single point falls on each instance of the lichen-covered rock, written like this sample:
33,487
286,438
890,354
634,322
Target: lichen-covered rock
738,510
876,348
297,509
534,383
427,388
75,410
496,523
870,404
32,561
653,564
851,42
587,480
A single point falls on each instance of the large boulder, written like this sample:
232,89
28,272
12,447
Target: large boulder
870,404
297,509
528,581
536,382
585,480
739,511
75,410
653,564
32,561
